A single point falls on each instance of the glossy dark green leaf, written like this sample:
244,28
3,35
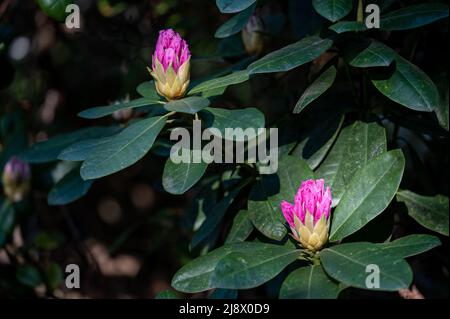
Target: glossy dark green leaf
232,6
429,211
316,89
352,265
29,275
241,228
409,86
189,105
309,282
167,294
147,89
55,9
179,177
410,245
235,266
235,24
369,193
375,55
7,219
222,119
101,111
414,16
291,56
48,151
267,193
70,188
221,82
126,148
347,26
356,146
333,10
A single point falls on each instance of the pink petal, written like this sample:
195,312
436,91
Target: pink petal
288,212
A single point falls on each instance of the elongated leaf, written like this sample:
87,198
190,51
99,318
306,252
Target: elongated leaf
55,9
333,10
316,89
410,245
429,211
235,24
189,105
408,86
368,194
239,270
309,282
178,178
241,228
213,218
353,263
147,89
291,56
48,151
126,148
414,16
80,151
232,6
375,55
221,82
101,111
356,146
267,194
347,26
221,119
70,188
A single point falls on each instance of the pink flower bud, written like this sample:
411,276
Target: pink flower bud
309,217
16,179
171,65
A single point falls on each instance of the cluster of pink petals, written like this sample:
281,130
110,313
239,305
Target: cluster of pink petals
17,170
311,197
171,49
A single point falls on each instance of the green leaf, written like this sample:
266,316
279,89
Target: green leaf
101,111
178,178
147,89
222,119
48,151
414,16
309,282
70,188
221,82
291,56
54,275
409,86
167,294
409,245
55,9
7,219
235,24
233,6
348,263
316,89
356,146
267,193
224,294
126,148
28,275
241,228
369,193
333,10
429,211
376,54
189,105
80,151
49,240
347,26
214,217
318,142
235,266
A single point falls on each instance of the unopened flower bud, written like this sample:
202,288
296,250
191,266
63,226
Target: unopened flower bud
171,65
16,179
309,217
252,37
